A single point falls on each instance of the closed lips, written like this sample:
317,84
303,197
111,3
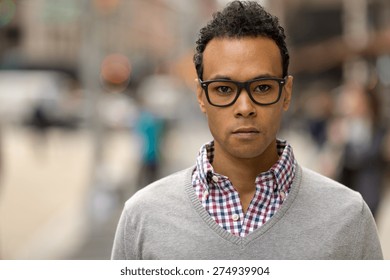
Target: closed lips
246,130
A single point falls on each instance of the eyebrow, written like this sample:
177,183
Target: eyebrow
222,77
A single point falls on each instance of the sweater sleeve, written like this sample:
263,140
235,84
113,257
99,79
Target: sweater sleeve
126,241
368,245
118,249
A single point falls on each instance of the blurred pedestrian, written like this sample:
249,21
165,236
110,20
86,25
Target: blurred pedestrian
318,107
246,197
150,129
363,159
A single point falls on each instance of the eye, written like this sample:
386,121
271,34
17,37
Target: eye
224,89
262,88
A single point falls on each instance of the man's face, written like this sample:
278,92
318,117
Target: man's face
243,130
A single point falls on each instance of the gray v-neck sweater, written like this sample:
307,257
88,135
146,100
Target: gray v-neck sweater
320,219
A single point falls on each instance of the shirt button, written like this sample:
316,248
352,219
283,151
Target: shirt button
215,179
205,194
235,217
282,195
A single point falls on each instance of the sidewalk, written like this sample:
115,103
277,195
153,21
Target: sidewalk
43,184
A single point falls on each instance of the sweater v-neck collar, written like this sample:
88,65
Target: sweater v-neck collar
237,240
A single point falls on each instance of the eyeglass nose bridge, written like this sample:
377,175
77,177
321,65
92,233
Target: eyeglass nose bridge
246,86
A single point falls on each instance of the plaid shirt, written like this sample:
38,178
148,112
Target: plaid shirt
220,199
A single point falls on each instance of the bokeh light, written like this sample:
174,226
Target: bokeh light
115,70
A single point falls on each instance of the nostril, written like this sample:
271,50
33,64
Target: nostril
245,112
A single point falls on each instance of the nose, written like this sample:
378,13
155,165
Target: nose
244,107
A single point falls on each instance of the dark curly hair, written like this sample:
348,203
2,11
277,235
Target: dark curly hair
241,19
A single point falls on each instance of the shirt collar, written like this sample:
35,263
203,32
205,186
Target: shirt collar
203,163
283,170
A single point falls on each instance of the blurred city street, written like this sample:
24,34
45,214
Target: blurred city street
99,95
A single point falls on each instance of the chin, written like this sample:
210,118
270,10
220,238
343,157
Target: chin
247,153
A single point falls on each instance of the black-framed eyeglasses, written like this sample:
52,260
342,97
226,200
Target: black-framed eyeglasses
225,92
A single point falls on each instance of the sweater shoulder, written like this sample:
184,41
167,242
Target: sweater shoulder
322,183
328,193
169,188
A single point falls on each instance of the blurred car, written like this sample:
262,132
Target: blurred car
29,94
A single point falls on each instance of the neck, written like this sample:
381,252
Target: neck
242,172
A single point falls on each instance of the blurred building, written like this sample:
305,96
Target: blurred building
323,34
51,34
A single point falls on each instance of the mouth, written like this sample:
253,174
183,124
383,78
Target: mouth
246,131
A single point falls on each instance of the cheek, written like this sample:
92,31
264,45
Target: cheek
213,121
271,119
217,122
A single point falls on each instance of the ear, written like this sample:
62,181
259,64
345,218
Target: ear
200,96
287,93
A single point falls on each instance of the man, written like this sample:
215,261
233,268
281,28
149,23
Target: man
246,197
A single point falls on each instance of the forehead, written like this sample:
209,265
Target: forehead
241,58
